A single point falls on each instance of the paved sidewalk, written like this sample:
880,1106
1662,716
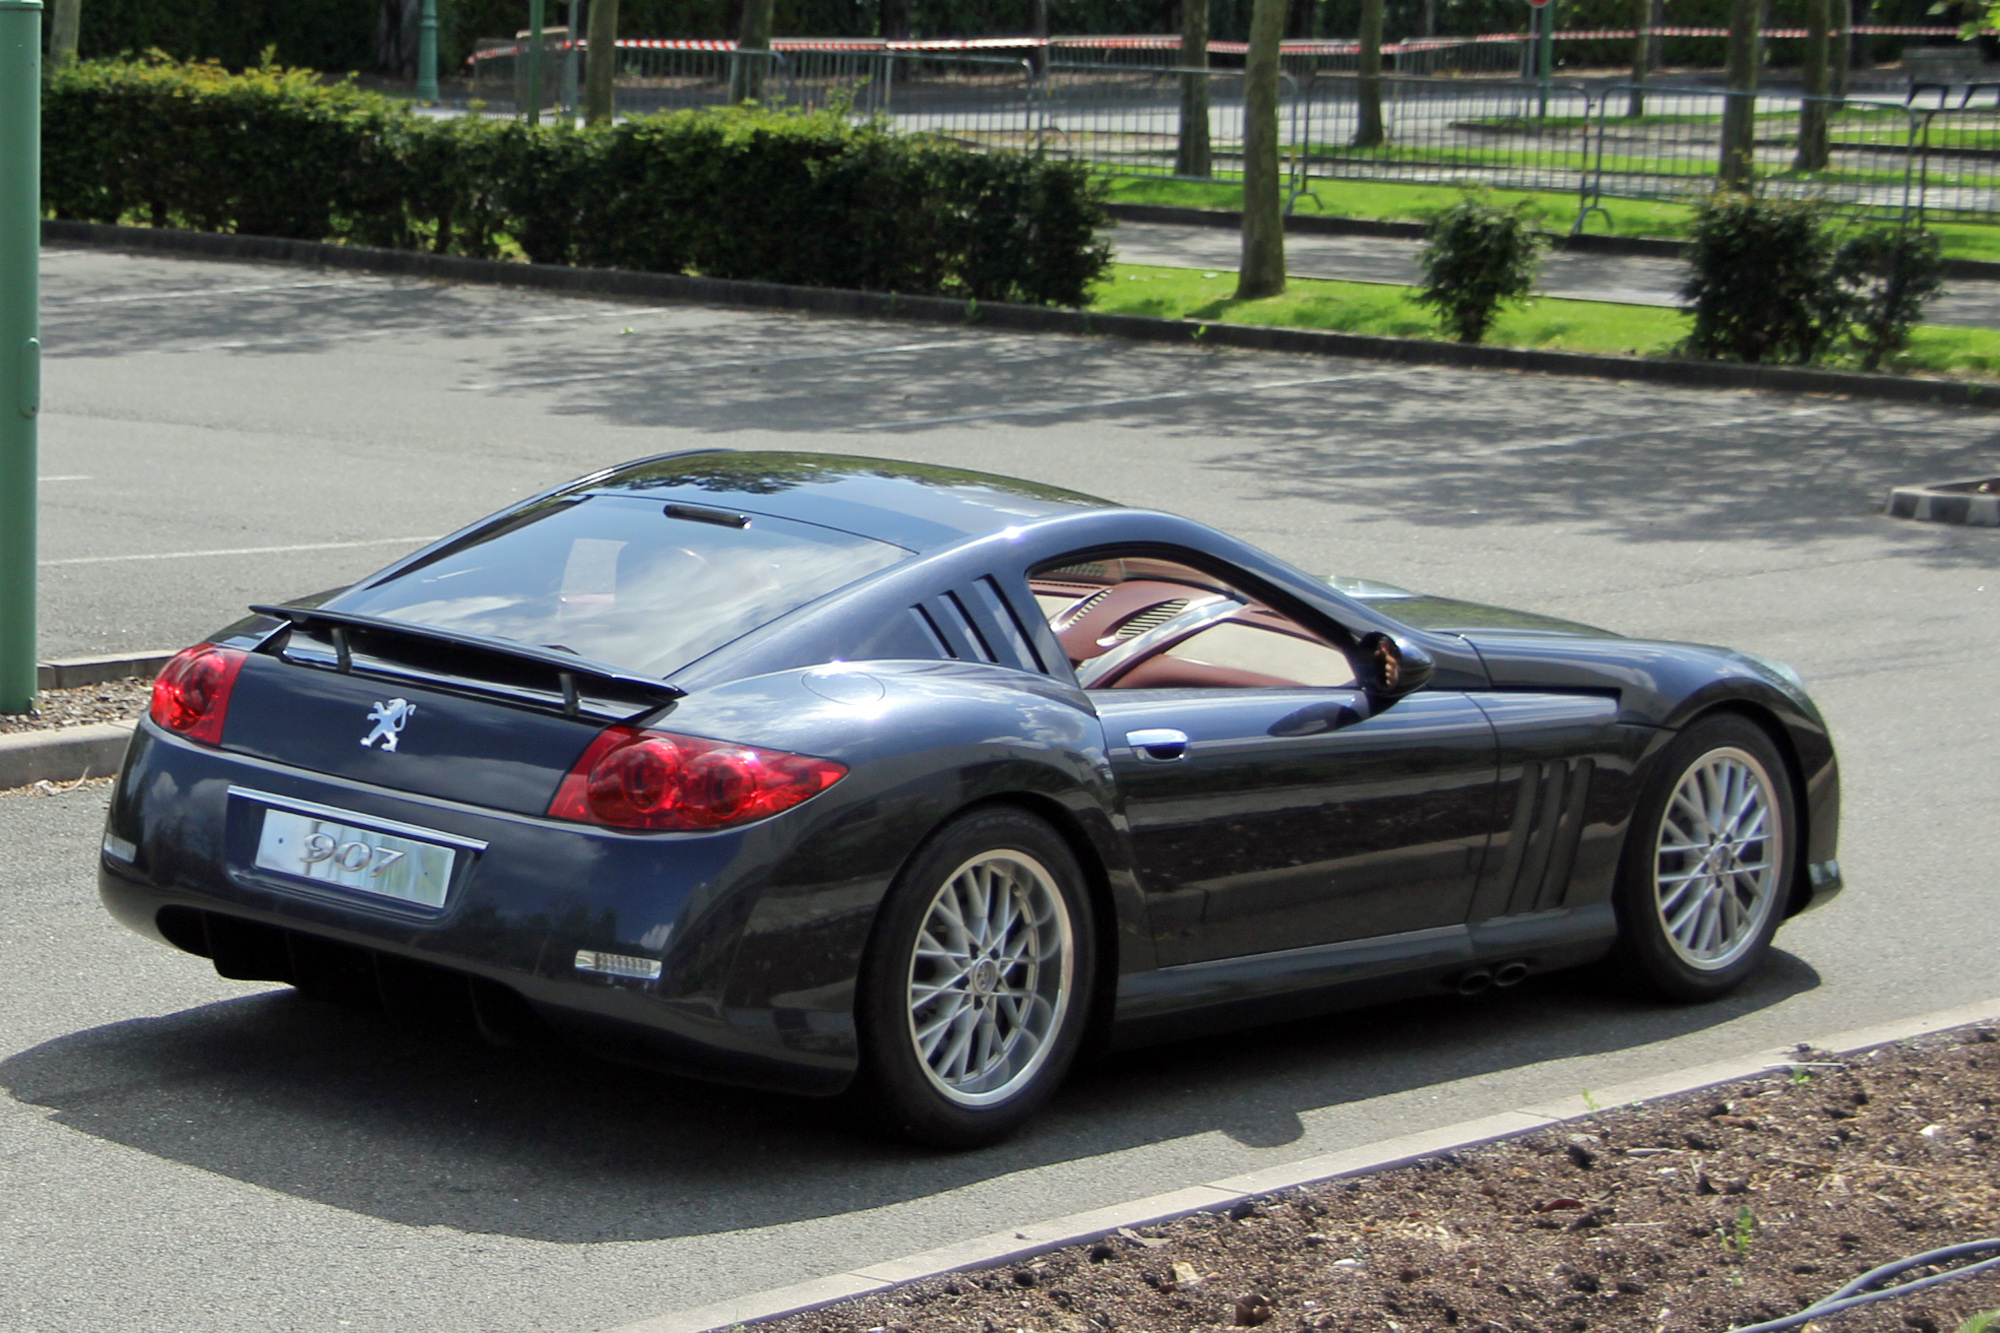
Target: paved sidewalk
1632,279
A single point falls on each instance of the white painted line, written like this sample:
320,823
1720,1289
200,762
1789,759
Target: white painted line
1052,409
669,368
61,303
470,324
71,477
1002,1247
411,542
1686,427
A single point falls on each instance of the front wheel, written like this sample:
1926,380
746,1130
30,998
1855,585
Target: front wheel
1708,862
976,985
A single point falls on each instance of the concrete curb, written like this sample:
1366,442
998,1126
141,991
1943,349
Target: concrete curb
64,754
1313,224
68,673
1012,1246
1035,319
1948,502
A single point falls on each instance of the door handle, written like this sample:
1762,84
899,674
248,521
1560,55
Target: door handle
1160,744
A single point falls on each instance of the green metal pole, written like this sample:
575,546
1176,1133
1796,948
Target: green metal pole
20,344
534,107
427,52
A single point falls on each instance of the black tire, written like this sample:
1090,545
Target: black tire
955,1096
1695,913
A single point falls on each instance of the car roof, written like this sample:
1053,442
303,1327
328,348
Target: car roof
916,505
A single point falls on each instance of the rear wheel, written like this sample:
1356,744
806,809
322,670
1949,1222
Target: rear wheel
1708,862
976,984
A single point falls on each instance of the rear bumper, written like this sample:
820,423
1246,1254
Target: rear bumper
176,865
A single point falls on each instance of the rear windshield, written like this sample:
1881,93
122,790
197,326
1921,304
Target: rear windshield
620,580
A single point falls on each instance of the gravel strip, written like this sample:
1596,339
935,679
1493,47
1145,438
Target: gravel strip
1703,1213
112,701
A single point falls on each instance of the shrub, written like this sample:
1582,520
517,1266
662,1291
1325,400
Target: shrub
1888,274
1773,280
741,192
1760,283
1476,257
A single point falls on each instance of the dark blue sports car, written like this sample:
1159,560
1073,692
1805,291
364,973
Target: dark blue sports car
845,776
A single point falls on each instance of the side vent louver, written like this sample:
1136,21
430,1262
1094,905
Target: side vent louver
1542,840
1151,618
976,623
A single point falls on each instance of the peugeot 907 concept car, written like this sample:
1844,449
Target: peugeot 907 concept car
838,775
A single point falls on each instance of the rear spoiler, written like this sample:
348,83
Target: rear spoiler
570,671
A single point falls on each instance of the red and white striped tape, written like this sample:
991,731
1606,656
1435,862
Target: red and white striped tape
1159,42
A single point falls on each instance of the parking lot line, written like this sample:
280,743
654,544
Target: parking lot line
185,292
235,550
660,369
1053,409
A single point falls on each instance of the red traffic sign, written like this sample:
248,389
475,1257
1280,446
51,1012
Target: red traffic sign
1539,4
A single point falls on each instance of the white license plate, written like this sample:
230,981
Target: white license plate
322,849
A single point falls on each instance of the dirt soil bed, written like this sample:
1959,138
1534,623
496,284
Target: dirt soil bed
113,701
1702,1213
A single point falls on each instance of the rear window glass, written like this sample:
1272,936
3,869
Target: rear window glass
617,580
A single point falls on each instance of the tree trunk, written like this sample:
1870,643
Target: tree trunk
1642,52
1263,269
1368,87
746,81
1847,50
63,24
603,62
396,37
1812,154
1739,113
1192,157
896,20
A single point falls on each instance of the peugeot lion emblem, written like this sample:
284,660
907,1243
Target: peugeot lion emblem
389,719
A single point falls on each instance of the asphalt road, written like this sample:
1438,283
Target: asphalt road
181,1152
1628,279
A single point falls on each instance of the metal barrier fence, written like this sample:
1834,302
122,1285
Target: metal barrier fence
1504,133
1127,119
1937,154
1858,155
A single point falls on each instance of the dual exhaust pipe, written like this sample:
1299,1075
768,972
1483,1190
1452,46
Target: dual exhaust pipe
1511,973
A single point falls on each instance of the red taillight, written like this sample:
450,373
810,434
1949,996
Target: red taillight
191,695
653,780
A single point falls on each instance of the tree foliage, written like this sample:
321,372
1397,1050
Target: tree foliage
732,192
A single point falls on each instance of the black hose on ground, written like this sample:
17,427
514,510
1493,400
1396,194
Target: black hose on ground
1862,1291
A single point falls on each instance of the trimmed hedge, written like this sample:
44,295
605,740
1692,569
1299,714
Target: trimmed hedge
742,192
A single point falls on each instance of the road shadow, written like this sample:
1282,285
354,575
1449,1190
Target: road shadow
1431,446
548,1144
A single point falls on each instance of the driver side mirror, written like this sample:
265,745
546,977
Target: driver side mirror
1391,668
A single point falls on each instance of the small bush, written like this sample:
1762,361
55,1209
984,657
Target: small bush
1888,274
1760,284
739,192
1476,257
1774,280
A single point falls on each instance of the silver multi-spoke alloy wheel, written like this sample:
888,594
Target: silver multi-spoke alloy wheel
990,977
1718,858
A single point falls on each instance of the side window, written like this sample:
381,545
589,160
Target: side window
1147,623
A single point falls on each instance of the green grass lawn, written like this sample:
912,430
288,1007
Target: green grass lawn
1545,322
1554,211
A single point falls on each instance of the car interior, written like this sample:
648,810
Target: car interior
1140,622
